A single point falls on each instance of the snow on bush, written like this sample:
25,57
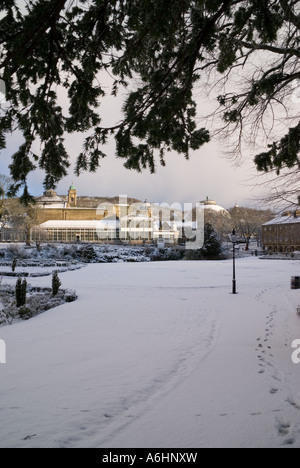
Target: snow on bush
71,254
169,254
56,283
38,300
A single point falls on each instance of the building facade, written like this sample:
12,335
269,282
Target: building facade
51,207
61,220
282,234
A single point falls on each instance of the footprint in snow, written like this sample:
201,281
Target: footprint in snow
30,437
276,378
284,429
274,390
293,403
289,441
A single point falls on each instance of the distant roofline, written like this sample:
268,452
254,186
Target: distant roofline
290,219
74,208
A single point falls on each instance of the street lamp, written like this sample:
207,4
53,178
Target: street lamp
233,239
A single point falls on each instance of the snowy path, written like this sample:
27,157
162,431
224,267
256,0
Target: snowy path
157,355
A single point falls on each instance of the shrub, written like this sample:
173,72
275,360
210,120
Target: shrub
21,290
24,313
70,296
212,247
193,255
56,283
13,250
88,253
164,255
14,264
69,251
6,318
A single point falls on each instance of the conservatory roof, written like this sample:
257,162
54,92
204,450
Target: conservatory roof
81,224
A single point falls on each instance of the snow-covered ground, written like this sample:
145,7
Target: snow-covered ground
157,355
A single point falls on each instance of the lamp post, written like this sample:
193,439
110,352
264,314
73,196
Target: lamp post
233,239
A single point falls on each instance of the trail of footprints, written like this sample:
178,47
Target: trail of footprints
264,356
264,350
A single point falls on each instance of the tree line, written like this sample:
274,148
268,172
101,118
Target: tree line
247,222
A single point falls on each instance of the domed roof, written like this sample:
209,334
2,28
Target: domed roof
212,206
50,193
145,206
72,187
50,198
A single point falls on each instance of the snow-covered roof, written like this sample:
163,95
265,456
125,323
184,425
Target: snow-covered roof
291,219
145,206
137,217
91,224
215,208
50,199
212,206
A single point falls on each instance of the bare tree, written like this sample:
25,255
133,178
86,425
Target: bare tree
22,218
220,221
248,222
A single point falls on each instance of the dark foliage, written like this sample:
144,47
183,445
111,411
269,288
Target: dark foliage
56,283
21,291
57,48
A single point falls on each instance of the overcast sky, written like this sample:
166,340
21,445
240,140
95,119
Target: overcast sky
208,173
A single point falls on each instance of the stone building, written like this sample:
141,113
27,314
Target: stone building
51,207
282,234
62,220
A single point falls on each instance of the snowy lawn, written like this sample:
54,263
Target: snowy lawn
157,355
